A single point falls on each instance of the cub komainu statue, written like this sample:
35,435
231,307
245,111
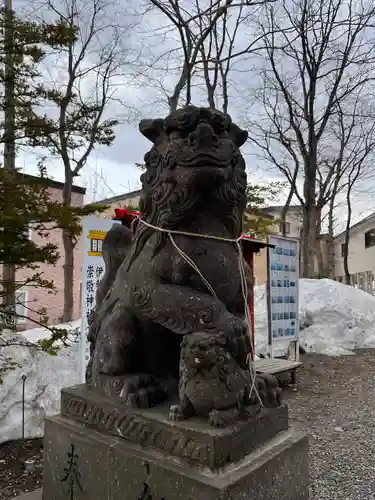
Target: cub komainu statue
194,184
212,385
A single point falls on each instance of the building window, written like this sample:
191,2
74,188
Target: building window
370,238
21,306
27,232
287,228
343,250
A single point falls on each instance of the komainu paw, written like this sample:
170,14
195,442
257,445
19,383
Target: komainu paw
175,413
142,391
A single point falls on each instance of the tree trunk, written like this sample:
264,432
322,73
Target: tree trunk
9,270
69,256
319,258
209,87
308,241
330,246
300,251
68,277
318,249
183,80
330,257
304,245
225,95
347,236
310,210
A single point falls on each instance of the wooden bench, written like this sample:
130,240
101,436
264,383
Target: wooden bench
275,366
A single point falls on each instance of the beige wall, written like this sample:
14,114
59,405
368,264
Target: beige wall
37,298
260,267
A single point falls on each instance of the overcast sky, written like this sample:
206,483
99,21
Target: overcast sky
111,170
115,164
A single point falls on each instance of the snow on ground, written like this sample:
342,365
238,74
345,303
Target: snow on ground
36,334
46,375
334,319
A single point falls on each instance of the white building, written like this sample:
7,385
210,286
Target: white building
361,254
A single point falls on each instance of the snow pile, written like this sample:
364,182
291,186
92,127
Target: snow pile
334,318
45,376
41,333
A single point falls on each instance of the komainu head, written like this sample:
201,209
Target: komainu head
196,137
195,156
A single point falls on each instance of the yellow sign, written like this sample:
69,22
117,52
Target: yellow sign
96,242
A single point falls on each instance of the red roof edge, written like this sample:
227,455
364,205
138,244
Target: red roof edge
249,241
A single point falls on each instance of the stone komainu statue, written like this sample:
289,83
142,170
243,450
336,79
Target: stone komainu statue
195,182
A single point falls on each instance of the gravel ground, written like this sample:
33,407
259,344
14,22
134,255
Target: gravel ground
13,479
334,403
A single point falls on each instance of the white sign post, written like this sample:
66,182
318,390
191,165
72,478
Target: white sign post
93,233
8,318
283,292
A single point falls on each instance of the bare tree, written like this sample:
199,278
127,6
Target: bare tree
87,84
360,168
318,53
223,48
331,218
275,147
205,32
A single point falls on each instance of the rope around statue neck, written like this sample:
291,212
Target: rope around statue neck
241,267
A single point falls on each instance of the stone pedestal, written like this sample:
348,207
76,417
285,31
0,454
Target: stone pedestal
98,450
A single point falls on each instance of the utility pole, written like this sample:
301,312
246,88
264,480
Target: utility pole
9,137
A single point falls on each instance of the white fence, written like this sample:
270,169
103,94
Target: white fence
364,281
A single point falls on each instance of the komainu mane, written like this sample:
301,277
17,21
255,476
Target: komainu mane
194,183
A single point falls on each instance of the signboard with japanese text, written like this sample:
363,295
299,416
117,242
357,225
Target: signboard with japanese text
283,275
93,233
